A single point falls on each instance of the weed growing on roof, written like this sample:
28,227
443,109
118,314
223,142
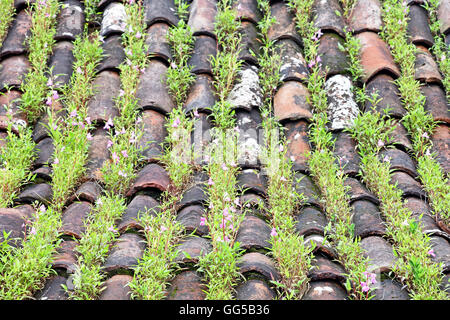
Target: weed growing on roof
90,10
323,165
417,121
7,11
414,265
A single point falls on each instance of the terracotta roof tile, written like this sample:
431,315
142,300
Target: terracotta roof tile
310,220
140,205
41,192
114,19
153,135
190,217
443,15
293,64
253,233
88,191
53,289
329,16
325,269
418,27
116,288
113,54
160,10
125,253
407,184
298,143
101,106
366,16
187,285
74,219
399,160
254,290
441,146
98,153
191,249
201,96
247,10
249,43
291,102
255,262
345,151
204,48
284,28
358,191
389,94
304,184
334,60
12,220
70,20
66,256
156,40
202,16
152,176
390,290
325,290
426,68
380,254
12,71
436,103
14,43
367,219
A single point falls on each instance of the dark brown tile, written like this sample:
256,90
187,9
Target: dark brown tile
44,150
140,205
247,10
399,137
89,191
160,10
156,40
53,289
252,181
153,135
418,28
436,103
116,288
380,254
255,262
253,233
191,249
309,221
303,184
70,20
292,64
441,146
298,144
98,153
190,218
11,100
443,15
102,106
66,256
13,71
367,219
325,269
325,290
15,41
114,19
74,219
399,160
390,290
250,43
358,191
41,192
195,195
202,17
345,151
366,16
332,58
441,252
290,102
254,290
320,245
328,16
44,173
426,68
60,63
201,96
252,204
113,54
387,91
152,176
126,252
284,28
12,220
205,47
407,184
375,56
187,285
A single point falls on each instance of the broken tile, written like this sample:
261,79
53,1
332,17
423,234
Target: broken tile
191,249
332,58
12,71
309,221
297,144
247,10
441,146
254,290
443,15
246,94
441,250
14,43
328,16
102,106
202,17
190,217
367,219
284,28
380,254
151,176
201,96
358,191
70,21
156,40
407,184
41,192
388,93
98,153
140,205
89,191
153,135
426,68
375,56
74,219
160,10
251,180
249,43
53,289
366,16
253,233
418,28
325,290
66,256
325,269
12,220
113,54
345,152
44,150
187,285
205,47
304,185
292,64
116,288
291,102
255,262
125,253
114,19
399,160
436,102
390,290
152,91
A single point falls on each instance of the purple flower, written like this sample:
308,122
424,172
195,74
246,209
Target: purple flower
32,231
108,124
79,70
163,228
56,161
176,123
273,233
49,101
425,135
49,82
111,229
364,286
224,167
55,94
380,143
89,136
202,221
122,174
109,144
431,253
138,35
124,153
115,157
210,182
236,202
88,120
196,113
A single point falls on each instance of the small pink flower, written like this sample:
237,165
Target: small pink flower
49,101
173,65
89,136
236,202
122,174
109,144
380,143
56,161
364,286
163,228
111,229
115,157
428,153
281,148
88,120
32,231
108,124
79,71
42,208
138,35
224,167
283,179
431,253
176,123
124,153
210,182
225,212
425,135
273,233
202,221
55,94
139,120
73,114
49,82
196,113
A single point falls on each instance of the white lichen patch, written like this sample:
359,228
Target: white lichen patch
247,93
114,19
342,108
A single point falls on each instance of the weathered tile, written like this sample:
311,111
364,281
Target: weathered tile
202,17
390,290
375,56
116,288
285,24
205,47
61,62
13,220
309,221
292,64
160,10
201,95
114,19
190,218
320,245
298,144
10,111
328,16
290,102
14,43
98,153
152,92
126,252
388,93
44,150
113,54
418,28
303,184
345,151
53,289
399,160
255,262
407,184
246,94
251,181
152,176
12,71
380,254
426,68
253,204
400,137
254,290
441,146
253,233
191,249
436,103
325,269
41,192
43,173
74,219
102,106
187,285
156,40
249,43
247,10
89,191
70,20
140,205
325,290
194,195
443,15
248,125
153,135
358,191
66,256
332,58
441,251
366,16
367,219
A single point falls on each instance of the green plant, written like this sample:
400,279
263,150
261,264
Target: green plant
7,11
